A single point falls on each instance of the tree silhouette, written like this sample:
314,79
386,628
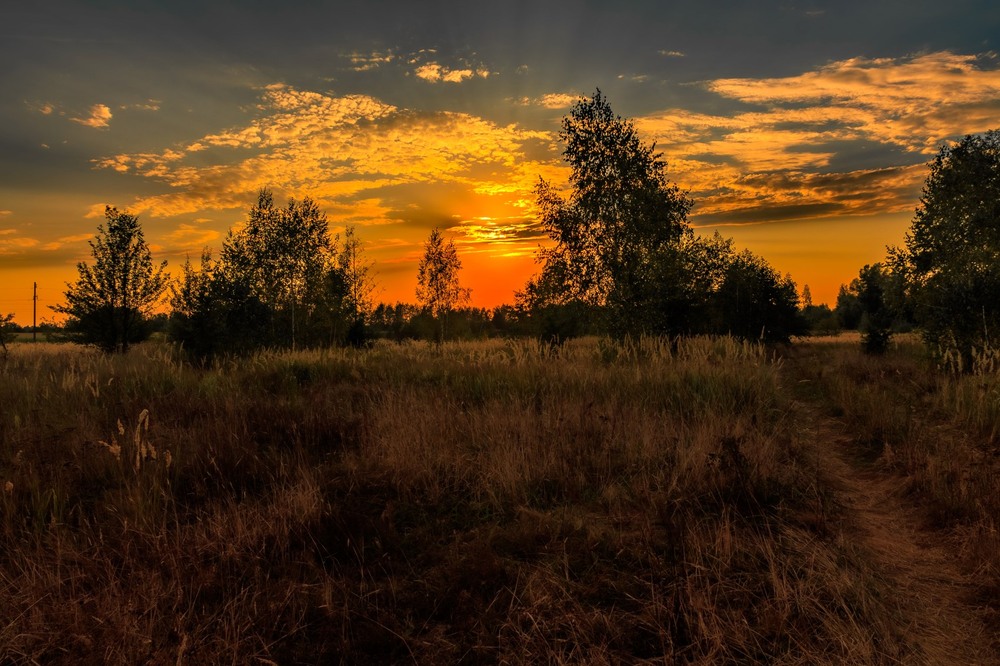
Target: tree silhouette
438,288
280,260
756,303
355,271
951,257
279,281
6,331
622,217
108,304
873,297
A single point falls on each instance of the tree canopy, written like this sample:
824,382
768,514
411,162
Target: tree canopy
623,250
279,281
109,303
951,258
622,213
438,287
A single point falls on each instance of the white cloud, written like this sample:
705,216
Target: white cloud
671,54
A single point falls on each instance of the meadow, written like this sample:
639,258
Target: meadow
498,501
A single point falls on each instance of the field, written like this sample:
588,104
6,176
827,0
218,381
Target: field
697,501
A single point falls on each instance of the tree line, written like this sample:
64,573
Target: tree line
623,261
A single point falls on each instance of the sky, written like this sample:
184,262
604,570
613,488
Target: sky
801,129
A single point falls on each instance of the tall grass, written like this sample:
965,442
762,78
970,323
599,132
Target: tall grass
484,502
938,426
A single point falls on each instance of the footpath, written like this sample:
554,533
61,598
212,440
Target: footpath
935,599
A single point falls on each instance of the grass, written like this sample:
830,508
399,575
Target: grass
938,428
487,502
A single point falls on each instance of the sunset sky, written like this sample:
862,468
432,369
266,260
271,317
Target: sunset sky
801,129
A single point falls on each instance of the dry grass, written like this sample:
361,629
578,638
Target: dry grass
938,429
494,502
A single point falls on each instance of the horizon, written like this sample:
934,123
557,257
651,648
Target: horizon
802,131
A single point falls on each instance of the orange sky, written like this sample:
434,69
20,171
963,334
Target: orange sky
814,161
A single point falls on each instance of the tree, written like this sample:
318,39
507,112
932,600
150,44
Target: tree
111,300
358,285
621,222
7,328
279,261
807,299
438,288
873,297
198,316
848,309
755,302
951,258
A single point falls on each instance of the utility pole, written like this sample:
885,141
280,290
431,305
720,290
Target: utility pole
34,313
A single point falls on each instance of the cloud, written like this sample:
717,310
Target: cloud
434,73
551,100
781,158
99,116
192,237
16,245
95,210
148,105
914,102
363,62
59,243
363,160
671,54
488,231
5,213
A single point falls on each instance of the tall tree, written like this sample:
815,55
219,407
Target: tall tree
873,296
108,304
951,257
358,284
438,288
623,218
280,259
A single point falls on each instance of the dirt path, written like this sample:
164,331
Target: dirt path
936,600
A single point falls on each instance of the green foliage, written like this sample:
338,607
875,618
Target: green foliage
281,259
438,288
820,319
109,303
952,251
